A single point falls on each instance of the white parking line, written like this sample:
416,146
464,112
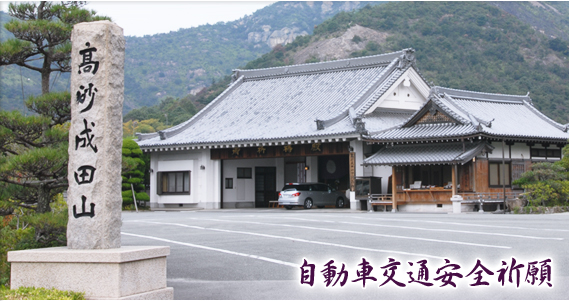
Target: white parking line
214,249
428,229
363,233
458,224
297,240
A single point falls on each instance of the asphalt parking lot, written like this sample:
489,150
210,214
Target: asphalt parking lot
258,253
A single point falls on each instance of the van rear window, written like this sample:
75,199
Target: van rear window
295,187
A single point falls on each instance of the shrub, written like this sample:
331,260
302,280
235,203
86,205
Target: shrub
32,293
32,231
133,173
546,184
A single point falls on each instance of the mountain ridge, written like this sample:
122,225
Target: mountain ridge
473,46
186,61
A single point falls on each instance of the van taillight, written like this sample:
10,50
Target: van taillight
296,194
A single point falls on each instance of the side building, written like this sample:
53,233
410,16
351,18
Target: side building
465,143
354,124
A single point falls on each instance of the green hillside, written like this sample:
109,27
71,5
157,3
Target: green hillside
503,47
463,45
18,83
184,62
187,60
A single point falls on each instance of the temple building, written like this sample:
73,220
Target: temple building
354,124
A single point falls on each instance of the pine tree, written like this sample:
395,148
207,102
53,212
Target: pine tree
33,149
33,153
133,172
43,29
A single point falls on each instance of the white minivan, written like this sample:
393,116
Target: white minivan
309,194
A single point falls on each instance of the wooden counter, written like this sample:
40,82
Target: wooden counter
425,195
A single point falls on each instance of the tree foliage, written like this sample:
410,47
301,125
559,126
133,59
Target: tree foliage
33,153
468,45
133,172
170,111
29,230
43,29
546,184
33,149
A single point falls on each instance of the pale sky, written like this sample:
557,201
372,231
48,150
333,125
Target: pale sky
139,18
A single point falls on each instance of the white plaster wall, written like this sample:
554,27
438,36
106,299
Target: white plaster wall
498,151
402,97
210,182
408,92
425,208
230,171
204,183
384,172
175,165
517,150
520,151
154,168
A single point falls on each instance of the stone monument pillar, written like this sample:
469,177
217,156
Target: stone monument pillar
96,136
94,261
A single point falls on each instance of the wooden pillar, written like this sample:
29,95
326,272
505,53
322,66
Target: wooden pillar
454,180
504,179
474,181
394,191
352,172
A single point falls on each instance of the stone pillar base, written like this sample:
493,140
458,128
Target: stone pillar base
456,201
354,203
125,273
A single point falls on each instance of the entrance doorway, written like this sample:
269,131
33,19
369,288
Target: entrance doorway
335,171
265,189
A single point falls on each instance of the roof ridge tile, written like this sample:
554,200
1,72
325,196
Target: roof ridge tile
466,94
342,64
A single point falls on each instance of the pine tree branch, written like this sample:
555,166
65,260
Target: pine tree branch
34,183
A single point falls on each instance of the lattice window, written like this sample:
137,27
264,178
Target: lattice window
518,170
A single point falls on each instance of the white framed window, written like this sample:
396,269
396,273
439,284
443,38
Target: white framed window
173,183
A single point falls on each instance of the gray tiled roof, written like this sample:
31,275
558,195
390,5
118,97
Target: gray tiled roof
427,131
478,114
425,154
283,103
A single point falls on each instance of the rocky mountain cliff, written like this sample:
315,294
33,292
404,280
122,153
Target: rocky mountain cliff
186,61
462,45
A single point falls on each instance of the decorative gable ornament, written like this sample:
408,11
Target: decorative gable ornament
316,147
407,59
234,76
235,151
360,126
